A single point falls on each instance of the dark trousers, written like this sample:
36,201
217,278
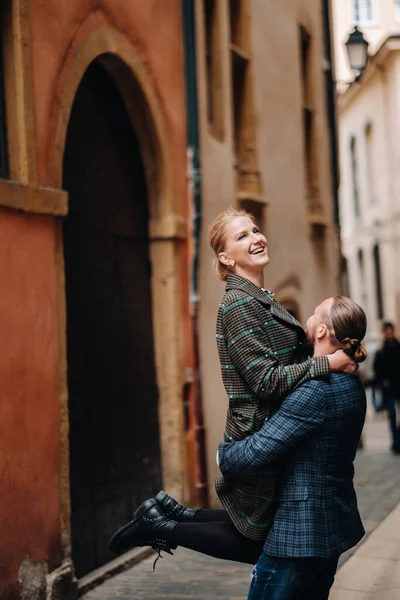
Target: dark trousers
276,578
389,405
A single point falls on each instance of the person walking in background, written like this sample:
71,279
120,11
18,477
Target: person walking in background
263,356
387,373
317,430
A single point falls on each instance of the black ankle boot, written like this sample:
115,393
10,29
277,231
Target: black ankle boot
173,509
149,527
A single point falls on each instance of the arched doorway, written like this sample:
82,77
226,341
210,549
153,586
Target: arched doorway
113,397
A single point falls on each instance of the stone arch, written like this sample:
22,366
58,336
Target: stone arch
166,231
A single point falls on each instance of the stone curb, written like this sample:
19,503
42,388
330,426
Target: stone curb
114,567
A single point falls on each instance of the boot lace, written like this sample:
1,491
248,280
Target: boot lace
159,545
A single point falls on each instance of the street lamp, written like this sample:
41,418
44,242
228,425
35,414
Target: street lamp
357,50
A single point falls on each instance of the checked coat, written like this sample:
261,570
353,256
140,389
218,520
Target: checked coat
260,348
317,429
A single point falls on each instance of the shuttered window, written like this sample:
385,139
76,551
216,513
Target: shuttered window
363,12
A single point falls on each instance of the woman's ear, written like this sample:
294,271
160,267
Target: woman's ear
224,258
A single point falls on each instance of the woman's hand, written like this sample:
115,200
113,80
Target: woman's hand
340,362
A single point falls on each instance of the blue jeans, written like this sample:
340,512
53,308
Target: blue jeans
276,578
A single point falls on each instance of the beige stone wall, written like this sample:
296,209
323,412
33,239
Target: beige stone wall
300,268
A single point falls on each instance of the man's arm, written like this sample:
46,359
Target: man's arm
301,415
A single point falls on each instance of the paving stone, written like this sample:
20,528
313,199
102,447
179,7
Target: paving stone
361,574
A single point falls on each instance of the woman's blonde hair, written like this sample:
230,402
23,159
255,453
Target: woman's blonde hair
349,325
217,236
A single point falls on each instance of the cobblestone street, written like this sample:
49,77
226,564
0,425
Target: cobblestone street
191,576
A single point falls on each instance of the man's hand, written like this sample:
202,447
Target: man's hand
340,362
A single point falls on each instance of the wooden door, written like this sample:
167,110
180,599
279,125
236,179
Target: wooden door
114,433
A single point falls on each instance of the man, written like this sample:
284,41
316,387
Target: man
387,373
317,429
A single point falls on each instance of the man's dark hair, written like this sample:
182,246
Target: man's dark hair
387,325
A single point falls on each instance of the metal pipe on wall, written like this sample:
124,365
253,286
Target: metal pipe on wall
331,105
196,417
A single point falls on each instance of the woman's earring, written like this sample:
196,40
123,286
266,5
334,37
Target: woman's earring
233,263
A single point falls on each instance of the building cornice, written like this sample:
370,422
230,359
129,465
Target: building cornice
390,45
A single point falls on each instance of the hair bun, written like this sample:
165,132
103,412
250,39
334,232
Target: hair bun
354,348
350,344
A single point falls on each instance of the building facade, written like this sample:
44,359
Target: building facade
264,74
368,117
110,385
94,306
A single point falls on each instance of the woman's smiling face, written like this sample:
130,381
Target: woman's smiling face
246,248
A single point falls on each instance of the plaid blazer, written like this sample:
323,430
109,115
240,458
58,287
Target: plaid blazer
318,429
260,347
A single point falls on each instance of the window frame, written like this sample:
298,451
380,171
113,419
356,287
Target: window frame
212,20
379,296
397,9
355,188
364,22
369,133
309,118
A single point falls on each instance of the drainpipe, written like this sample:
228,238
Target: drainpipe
332,122
194,180
331,106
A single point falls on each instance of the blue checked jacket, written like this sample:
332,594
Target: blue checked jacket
317,429
260,347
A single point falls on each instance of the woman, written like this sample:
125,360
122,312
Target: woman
261,347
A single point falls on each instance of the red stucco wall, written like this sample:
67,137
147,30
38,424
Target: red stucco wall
29,394
29,409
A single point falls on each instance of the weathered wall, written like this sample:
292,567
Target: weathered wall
300,268
29,410
29,311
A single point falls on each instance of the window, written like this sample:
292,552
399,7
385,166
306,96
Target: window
397,3
248,181
354,176
370,162
309,121
212,26
4,172
240,60
361,278
378,282
345,278
363,12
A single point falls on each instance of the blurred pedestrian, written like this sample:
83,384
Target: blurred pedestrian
387,373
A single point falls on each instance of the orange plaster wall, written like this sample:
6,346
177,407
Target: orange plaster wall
154,28
29,405
29,395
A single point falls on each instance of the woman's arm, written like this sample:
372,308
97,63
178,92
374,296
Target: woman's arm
248,333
